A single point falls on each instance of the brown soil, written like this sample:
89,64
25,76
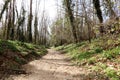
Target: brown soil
53,66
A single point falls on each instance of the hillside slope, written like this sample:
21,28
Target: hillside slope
14,54
101,55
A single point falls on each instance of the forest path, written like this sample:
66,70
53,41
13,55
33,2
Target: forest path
53,66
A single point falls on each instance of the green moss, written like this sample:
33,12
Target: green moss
98,54
7,45
21,47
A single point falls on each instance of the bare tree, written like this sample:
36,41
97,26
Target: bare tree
4,7
99,13
29,27
68,4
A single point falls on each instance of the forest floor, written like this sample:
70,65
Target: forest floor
101,56
15,54
53,66
81,61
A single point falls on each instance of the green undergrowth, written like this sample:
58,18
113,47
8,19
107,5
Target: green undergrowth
101,55
13,54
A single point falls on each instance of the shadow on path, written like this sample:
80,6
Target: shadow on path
54,66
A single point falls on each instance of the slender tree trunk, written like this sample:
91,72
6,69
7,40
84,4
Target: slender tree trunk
35,29
9,22
29,28
6,22
88,24
99,14
4,8
71,18
12,34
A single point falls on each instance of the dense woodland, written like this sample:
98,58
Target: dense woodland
86,20
87,30
23,25
77,20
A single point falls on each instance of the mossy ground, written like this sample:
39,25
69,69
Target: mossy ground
101,55
14,54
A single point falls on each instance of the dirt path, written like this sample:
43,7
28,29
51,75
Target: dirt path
53,66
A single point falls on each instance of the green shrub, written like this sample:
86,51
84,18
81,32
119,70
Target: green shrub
98,50
19,60
96,68
91,60
85,55
7,45
111,74
59,48
101,65
111,54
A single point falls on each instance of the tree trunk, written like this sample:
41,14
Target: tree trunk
29,28
71,18
99,14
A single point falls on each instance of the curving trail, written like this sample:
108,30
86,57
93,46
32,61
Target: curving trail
53,66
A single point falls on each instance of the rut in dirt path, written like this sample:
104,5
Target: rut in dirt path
53,66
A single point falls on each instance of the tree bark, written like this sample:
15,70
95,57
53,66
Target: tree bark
71,18
29,28
99,13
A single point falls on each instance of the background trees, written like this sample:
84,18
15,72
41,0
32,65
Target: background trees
77,20
87,19
22,24
29,27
